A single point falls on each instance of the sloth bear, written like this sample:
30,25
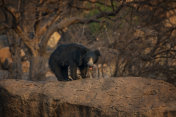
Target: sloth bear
73,56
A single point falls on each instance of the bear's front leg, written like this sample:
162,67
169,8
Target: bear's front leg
73,70
83,71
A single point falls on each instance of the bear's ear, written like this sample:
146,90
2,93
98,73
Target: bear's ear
97,52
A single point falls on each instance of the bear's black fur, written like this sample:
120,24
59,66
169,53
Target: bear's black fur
75,56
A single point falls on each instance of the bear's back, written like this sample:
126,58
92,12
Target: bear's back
69,48
67,52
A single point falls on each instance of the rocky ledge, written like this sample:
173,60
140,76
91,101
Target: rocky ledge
111,97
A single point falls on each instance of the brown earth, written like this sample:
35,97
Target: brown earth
108,97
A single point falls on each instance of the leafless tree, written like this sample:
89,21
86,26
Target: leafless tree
33,22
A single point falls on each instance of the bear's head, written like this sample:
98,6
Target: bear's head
91,58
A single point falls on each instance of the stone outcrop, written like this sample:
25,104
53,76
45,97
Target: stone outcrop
5,58
111,97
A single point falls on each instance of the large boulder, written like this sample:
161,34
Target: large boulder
5,58
111,97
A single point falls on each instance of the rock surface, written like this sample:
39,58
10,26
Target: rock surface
111,97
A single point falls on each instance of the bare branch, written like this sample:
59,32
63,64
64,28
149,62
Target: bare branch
29,43
112,4
43,24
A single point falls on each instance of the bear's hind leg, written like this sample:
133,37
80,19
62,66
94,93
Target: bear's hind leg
58,72
65,73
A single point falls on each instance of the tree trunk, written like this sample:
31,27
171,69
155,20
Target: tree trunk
15,49
37,68
16,69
